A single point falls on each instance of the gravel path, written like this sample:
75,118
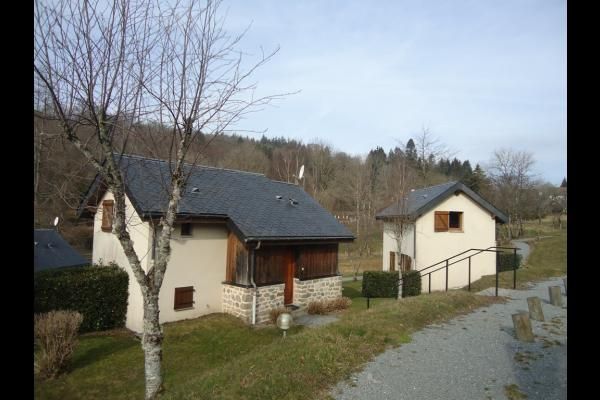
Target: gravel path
473,356
523,249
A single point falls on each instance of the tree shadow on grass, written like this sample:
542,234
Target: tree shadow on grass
102,349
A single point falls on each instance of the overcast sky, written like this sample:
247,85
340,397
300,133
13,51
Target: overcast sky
481,74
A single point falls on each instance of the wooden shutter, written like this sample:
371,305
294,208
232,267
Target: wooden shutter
107,215
184,297
441,221
392,261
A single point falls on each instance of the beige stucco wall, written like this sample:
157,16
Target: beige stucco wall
198,261
479,231
390,244
106,248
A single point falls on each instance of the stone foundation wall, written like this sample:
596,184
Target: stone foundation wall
268,298
237,301
316,290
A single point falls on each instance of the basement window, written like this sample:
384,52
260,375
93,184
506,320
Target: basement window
184,298
186,229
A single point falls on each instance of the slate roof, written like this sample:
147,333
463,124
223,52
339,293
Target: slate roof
423,200
248,200
52,251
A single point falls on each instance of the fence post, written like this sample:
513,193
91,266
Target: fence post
429,282
469,274
515,269
497,255
368,302
446,275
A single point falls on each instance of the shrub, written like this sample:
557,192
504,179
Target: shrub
99,293
380,284
506,261
276,312
56,335
327,306
411,283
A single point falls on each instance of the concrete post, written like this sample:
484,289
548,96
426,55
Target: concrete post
522,326
555,296
565,281
535,308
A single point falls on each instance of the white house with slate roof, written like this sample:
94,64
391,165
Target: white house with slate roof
441,221
243,244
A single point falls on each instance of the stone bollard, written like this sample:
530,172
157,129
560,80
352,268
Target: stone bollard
522,326
555,296
535,308
565,281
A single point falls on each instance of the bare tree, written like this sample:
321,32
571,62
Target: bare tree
429,150
511,174
110,66
400,222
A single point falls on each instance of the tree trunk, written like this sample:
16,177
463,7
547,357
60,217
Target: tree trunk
152,345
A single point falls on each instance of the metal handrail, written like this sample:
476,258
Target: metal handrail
479,251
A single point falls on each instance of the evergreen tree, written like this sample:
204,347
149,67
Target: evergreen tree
411,151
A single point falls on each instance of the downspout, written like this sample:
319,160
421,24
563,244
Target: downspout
415,243
253,284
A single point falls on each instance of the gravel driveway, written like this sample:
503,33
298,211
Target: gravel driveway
474,356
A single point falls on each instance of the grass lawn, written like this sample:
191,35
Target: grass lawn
219,357
548,258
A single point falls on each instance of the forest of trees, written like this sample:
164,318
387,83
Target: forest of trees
352,187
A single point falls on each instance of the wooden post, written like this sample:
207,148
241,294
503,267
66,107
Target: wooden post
535,308
523,327
565,281
555,296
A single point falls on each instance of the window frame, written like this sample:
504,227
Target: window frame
460,221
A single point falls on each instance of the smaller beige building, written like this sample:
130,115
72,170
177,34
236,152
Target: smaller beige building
436,223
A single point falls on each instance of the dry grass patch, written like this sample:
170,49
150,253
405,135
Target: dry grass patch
327,306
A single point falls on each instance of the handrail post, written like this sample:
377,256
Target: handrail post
469,274
446,275
515,269
497,274
429,282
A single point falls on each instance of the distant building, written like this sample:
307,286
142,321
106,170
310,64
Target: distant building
52,251
441,221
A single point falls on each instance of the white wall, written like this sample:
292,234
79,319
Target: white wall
198,261
390,244
106,248
478,232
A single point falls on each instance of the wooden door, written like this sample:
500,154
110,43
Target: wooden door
290,269
392,261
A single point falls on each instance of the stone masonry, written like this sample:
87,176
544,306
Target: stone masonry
317,290
237,301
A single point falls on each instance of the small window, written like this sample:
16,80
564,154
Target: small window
455,220
107,215
445,221
184,297
186,229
